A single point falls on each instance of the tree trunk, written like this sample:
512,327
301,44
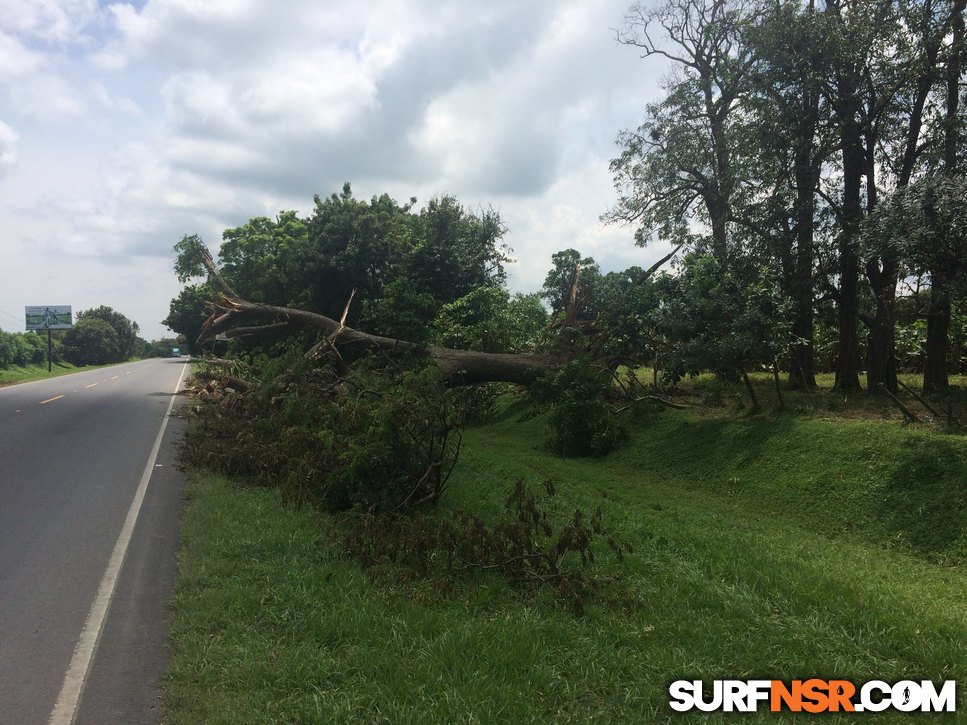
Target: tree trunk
938,327
802,369
938,312
881,367
459,367
854,157
752,395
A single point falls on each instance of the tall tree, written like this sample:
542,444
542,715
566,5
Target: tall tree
681,162
938,310
795,144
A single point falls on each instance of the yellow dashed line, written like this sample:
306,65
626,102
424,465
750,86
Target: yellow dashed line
90,386
51,400
115,377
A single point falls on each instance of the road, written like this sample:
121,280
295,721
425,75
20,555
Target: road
82,611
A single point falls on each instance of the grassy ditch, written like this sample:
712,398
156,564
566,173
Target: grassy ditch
772,547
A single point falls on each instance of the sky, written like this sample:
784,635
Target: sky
125,126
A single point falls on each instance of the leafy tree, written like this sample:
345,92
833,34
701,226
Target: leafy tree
559,283
631,304
188,311
924,226
125,330
92,341
403,312
350,245
256,258
725,321
681,164
527,321
455,252
21,349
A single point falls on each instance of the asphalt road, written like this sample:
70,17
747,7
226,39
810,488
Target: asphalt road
76,467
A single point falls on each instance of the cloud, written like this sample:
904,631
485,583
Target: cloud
141,122
8,149
51,21
16,59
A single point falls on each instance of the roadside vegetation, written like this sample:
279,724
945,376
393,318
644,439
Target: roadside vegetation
770,546
416,496
100,336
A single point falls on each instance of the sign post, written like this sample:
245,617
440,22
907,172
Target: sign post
50,317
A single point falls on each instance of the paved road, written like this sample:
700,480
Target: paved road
75,466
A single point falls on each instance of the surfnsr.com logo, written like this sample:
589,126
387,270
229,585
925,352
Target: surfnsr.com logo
812,696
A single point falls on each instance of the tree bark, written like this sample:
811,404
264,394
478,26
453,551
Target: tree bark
802,367
459,367
938,312
848,363
938,327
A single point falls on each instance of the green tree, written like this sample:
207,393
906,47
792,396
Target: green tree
92,341
188,311
681,165
256,258
924,226
351,245
455,252
559,284
725,321
125,330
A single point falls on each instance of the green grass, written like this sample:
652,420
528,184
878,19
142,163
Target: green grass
30,373
763,547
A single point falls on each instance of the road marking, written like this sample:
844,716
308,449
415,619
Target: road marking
115,377
90,386
51,400
65,708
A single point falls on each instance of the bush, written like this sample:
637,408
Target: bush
581,422
377,439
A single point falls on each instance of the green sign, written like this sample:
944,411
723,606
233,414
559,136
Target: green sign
51,317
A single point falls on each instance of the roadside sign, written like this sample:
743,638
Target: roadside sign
49,317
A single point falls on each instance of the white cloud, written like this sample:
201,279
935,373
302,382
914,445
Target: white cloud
8,148
141,123
56,21
16,60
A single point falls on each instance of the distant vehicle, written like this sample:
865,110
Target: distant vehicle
176,352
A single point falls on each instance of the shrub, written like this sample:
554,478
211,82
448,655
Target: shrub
581,422
377,439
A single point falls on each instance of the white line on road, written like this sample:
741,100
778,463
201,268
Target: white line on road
70,693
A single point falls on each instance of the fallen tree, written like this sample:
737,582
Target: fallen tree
233,316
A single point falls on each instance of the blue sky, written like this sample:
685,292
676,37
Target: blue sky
124,126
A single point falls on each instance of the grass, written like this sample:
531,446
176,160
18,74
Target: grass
30,373
772,547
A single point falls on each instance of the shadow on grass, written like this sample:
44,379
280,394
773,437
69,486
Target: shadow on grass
926,499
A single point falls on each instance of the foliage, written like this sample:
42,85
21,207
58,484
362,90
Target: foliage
379,439
128,343
22,349
581,422
402,312
256,256
188,312
524,548
724,322
560,281
632,317
925,224
399,266
92,341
